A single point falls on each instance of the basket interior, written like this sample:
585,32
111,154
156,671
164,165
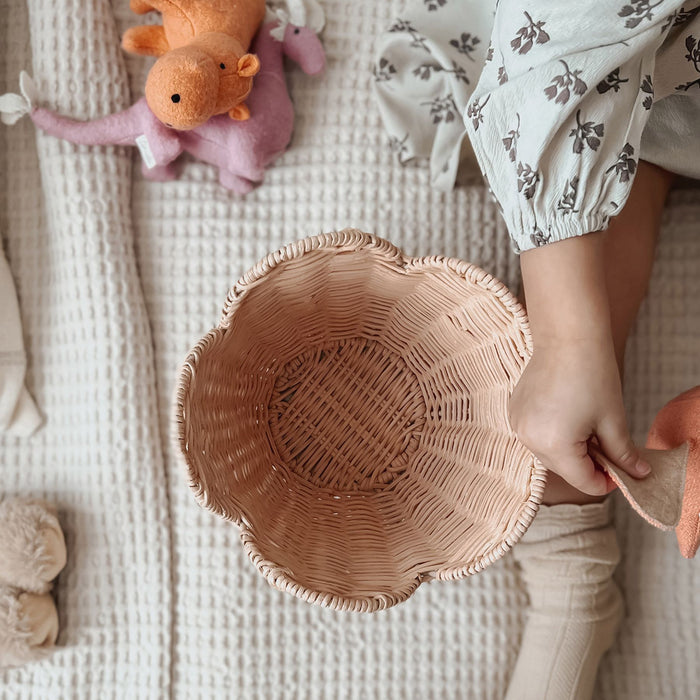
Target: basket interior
352,415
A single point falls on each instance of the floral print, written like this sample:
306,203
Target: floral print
538,238
568,200
637,11
562,85
474,112
443,108
417,40
511,141
612,81
588,133
647,88
693,55
466,44
527,180
383,70
626,165
679,17
532,31
553,97
398,146
425,70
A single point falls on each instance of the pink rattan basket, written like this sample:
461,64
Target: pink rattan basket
349,414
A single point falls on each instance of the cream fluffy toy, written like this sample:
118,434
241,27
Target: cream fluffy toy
32,553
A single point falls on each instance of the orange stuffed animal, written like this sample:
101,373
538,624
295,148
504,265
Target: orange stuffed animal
676,423
203,68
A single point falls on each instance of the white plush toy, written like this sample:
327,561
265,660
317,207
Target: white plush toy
32,553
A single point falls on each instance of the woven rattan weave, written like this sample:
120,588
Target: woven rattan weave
349,414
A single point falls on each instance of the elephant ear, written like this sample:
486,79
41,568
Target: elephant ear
248,65
13,107
306,13
240,112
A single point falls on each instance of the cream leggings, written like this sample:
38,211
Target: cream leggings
567,558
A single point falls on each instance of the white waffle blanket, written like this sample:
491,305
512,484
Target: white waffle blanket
117,277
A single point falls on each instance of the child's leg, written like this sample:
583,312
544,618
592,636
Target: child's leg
567,558
569,553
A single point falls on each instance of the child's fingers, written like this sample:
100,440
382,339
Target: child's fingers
582,474
618,447
579,471
611,485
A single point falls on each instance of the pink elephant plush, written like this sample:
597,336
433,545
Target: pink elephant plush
240,149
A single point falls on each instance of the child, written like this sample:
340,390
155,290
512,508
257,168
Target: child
579,116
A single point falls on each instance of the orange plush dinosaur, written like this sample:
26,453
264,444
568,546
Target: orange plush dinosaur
203,68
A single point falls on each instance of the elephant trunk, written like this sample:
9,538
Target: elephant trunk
121,128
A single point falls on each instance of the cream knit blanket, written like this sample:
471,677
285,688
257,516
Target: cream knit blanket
117,277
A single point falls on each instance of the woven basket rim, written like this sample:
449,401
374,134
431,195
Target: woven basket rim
279,577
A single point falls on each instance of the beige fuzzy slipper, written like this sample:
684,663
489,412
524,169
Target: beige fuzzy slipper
28,626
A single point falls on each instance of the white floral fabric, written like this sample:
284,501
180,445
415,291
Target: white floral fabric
559,101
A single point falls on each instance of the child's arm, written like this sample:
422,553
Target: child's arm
571,387
556,122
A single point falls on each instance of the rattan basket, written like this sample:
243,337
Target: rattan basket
349,414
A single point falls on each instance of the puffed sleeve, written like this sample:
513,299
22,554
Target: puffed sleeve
557,116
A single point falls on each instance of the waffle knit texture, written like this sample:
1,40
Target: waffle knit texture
18,414
65,212
202,623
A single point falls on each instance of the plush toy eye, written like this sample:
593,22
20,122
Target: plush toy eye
175,98
222,66
296,31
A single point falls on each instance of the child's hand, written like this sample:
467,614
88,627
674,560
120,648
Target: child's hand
568,392
571,388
